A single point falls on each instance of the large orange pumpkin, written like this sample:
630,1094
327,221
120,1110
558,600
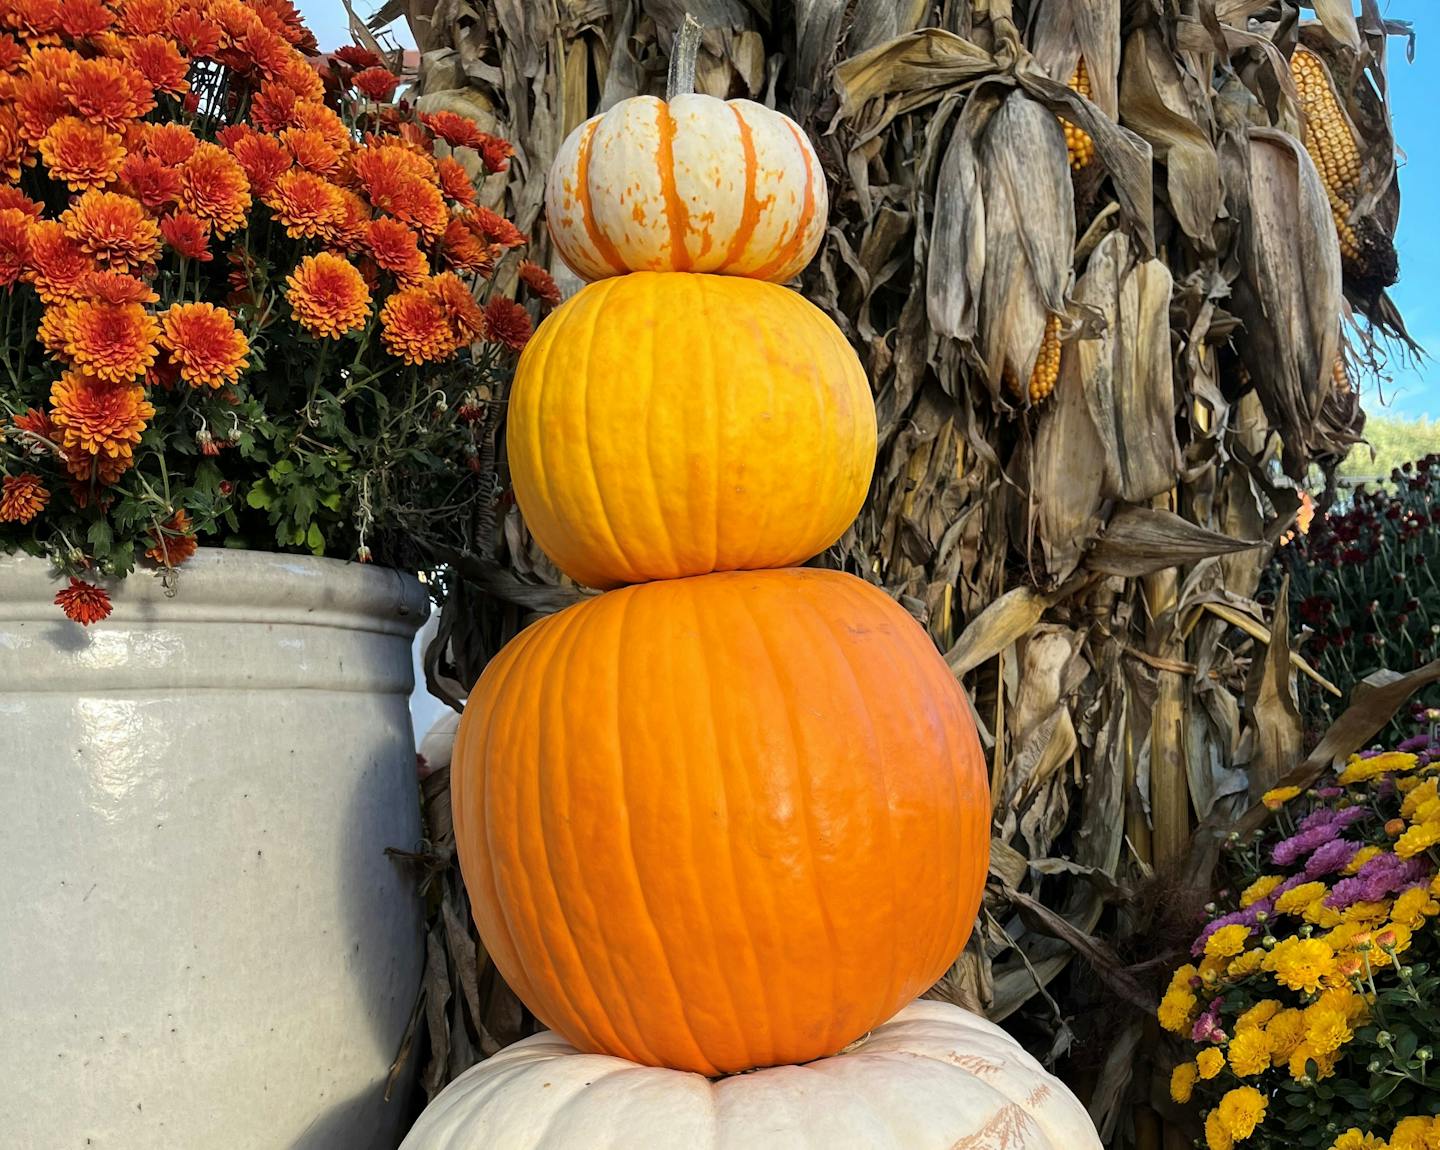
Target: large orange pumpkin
664,425
721,822
689,184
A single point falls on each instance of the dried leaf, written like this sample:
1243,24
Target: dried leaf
1278,729
1338,16
1004,621
1139,540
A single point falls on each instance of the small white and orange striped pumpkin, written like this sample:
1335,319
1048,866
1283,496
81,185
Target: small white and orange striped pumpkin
934,1077
692,184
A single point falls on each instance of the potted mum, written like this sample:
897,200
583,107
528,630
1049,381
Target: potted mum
247,338
1312,1009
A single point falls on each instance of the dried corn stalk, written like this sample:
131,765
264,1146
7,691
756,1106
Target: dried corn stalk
1087,563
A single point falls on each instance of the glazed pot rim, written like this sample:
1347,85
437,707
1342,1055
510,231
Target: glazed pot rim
223,583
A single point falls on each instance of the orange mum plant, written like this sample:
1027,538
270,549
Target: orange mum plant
245,296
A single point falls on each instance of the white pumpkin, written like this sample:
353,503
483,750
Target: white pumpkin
934,1077
692,184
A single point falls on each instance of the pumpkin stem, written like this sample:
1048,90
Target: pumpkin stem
681,81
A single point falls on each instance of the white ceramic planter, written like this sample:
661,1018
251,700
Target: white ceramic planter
205,946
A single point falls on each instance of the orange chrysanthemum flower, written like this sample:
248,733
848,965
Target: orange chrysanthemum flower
354,56
22,497
415,328
15,198
213,186
188,236
455,181
40,432
37,103
117,287
274,107
300,76
150,181
327,295
315,116
113,229
198,36
312,151
203,341
14,244
507,323
458,302
172,542
171,144
454,129
84,19
494,228
376,84
308,205
540,282
99,419
160,62
10,53
109,92
354,231
463,251
495,153
264,159
80,154
397,250
84,603
112,342
57,265
147,17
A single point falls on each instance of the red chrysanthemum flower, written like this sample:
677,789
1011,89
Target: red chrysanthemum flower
22,497
540,282
198,36
494,228
213,186
80,154
507,323
397,250
327,295
187,235
308,205
312,151
203,340
147,17
172,542
160,62
108,92
11,197
263,158
456,130
415,328
462,251
354,56
112,342
117,288
376,84
455,181
171,144
99,419
113,230
57,265
84,19
39,431
495,153
84,603
458,302
14,244
153,183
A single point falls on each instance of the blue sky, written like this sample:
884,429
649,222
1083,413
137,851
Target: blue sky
1415,98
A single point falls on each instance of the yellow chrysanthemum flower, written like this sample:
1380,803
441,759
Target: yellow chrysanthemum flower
1278,797
1362,856
1359,770
1228,941
1217,1137
1182,1082
1177,1011
1297,898
1356,1139
1419,838
1326,1030
1425,792
1413,907
1287,1031
1209,1062
1301,963
1415,1133
1242,1109
1304,1056
1261,887
1247,963
1249,1052
1368,913
1259,1014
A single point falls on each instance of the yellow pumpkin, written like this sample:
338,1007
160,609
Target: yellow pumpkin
689,184
667,424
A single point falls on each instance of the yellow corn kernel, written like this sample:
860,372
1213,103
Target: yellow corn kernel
1330,142
1340,374
1078,143
1047,365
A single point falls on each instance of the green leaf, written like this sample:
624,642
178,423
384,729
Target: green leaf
315,539
261,496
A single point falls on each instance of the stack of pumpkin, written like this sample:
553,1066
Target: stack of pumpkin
733,813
